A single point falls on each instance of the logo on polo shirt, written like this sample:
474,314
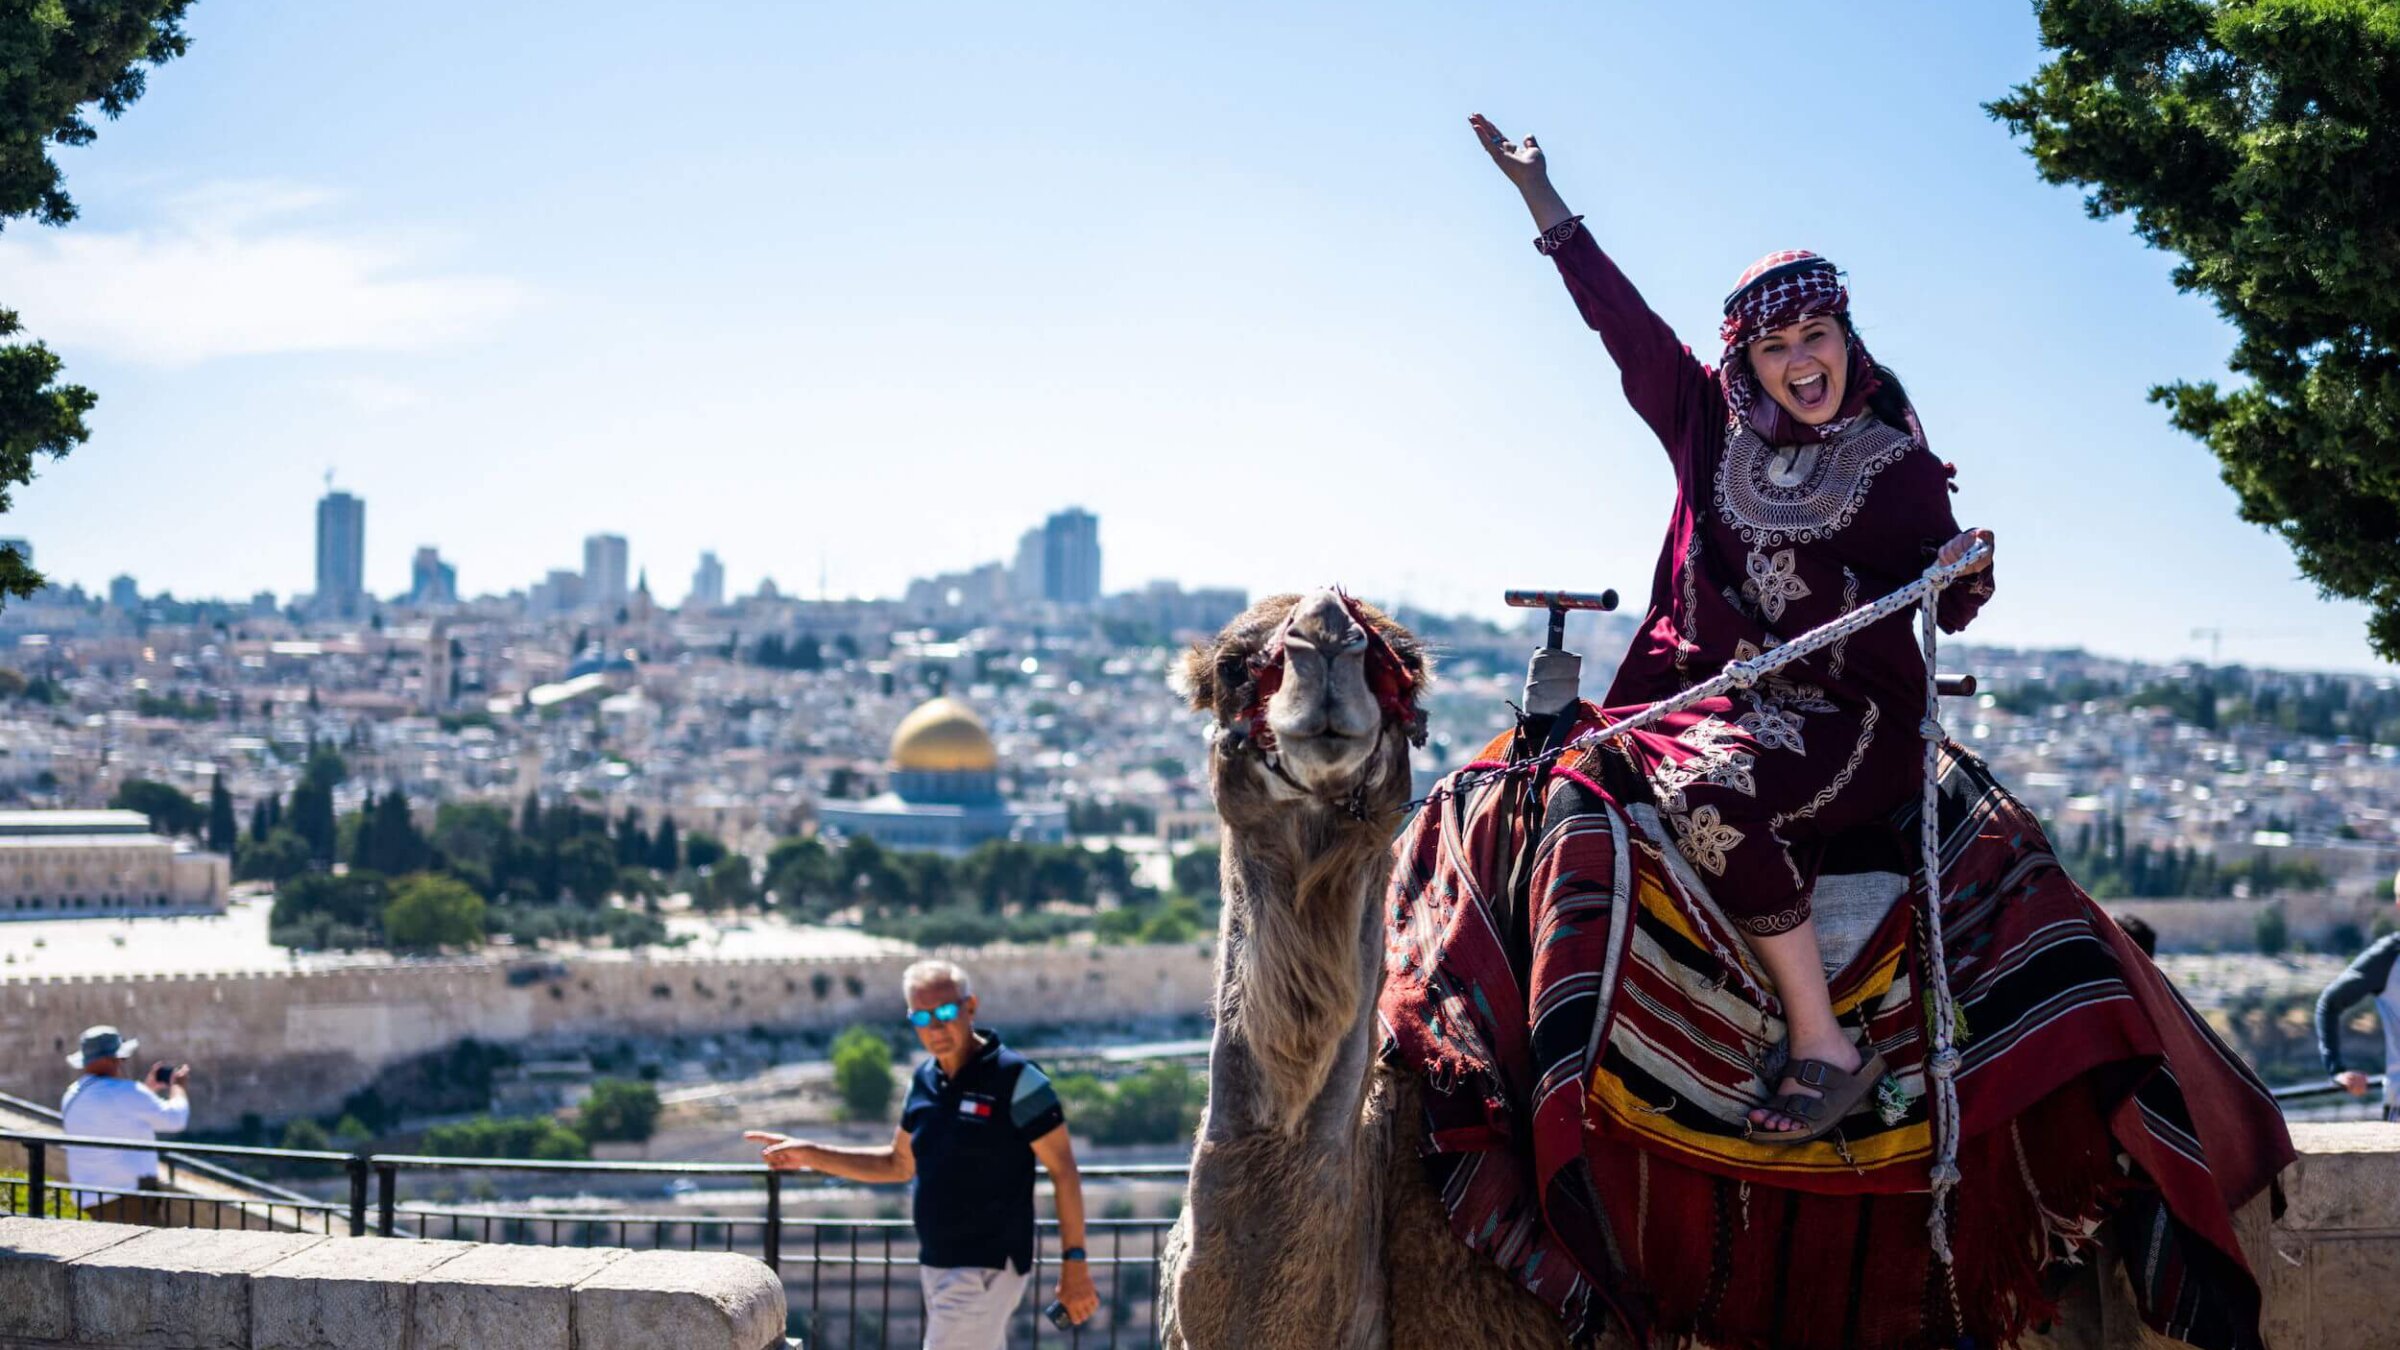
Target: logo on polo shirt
975,1107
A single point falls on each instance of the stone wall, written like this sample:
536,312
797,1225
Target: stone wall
289,1044
2232,925
113,1287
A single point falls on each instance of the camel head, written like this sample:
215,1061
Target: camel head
1315,701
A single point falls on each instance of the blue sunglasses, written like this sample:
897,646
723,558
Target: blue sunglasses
925,1017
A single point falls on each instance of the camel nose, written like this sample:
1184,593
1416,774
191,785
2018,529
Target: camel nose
1322,651
1324,623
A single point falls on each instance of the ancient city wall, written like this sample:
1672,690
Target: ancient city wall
2232,925
291,1043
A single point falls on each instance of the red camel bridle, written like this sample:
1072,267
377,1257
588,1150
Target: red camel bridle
1393,684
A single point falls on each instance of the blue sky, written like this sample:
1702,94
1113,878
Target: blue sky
866,290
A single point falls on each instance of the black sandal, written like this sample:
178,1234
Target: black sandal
1840,1094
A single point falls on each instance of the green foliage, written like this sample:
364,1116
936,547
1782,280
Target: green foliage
1196,874
223,830
59,1200
802,872
475,840
620,1110
169,810
998,876
279,857
1086,818
2102,863
427,913
862,1074
320,911
701,850
1175,919
959,926
537,1137
2272,935
666,854
57,58
311,815
727,884
174,705
2257,141
530,925
388,840
306,1134
1159,1105
801,653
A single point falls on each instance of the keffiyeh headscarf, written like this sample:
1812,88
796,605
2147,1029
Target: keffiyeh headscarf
1779,290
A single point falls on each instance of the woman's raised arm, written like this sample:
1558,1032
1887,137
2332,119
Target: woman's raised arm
1664,382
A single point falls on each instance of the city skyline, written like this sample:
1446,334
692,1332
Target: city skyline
1058,561
1138,289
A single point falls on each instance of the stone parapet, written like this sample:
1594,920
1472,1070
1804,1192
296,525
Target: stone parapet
112,1287
2332,1261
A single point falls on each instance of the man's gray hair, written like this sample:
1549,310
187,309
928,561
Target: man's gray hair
929,972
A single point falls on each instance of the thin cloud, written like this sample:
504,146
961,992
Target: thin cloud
238,269
376,395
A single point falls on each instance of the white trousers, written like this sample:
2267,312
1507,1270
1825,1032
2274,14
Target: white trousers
967,1307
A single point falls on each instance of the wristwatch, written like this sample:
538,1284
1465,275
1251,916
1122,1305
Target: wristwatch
1073,1254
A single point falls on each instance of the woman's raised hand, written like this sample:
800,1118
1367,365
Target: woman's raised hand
1520,160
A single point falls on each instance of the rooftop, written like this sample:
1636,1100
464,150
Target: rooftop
47,823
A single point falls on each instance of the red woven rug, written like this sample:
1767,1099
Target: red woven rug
1590,1033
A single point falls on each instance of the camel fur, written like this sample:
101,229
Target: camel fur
1309,1222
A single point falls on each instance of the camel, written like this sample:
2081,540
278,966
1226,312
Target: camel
1310,1222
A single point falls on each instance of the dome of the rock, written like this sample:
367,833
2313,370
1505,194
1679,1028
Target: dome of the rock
943,736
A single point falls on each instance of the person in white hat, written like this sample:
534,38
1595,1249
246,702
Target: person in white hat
102,1104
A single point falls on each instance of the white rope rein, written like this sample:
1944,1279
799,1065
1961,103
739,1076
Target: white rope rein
1924,594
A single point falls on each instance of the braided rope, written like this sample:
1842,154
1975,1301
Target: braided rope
1924,595
1943,1063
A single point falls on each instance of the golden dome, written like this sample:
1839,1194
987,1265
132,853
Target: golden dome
943,736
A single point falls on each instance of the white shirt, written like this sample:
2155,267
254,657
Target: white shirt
116,1108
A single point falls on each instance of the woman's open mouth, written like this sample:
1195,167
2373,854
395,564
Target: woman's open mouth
1810,393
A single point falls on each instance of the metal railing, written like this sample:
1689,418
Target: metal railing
839,1273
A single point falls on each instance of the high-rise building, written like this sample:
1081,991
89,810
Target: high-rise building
341,555
1029,576
124,593
708,584
604,578
432,581
1071,557
561,592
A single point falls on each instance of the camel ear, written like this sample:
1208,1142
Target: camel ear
1195,677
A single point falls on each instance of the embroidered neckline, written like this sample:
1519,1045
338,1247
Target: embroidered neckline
1797,494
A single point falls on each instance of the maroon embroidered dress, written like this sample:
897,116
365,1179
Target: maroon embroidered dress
1767,542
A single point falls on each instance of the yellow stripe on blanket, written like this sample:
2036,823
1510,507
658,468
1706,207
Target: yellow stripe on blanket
1614,1105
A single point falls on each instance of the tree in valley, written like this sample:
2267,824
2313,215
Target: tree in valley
222,829
427,913
169,810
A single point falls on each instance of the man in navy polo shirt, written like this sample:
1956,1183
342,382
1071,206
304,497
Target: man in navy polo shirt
977,1117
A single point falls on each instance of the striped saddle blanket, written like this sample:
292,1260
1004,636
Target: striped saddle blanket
1590,1032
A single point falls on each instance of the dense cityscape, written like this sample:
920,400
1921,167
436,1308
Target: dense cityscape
751,718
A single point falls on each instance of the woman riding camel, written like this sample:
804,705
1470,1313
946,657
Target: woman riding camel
1804,489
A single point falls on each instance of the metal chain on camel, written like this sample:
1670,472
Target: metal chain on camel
1923,595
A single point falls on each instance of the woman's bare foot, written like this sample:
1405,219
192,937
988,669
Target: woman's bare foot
1837,1051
